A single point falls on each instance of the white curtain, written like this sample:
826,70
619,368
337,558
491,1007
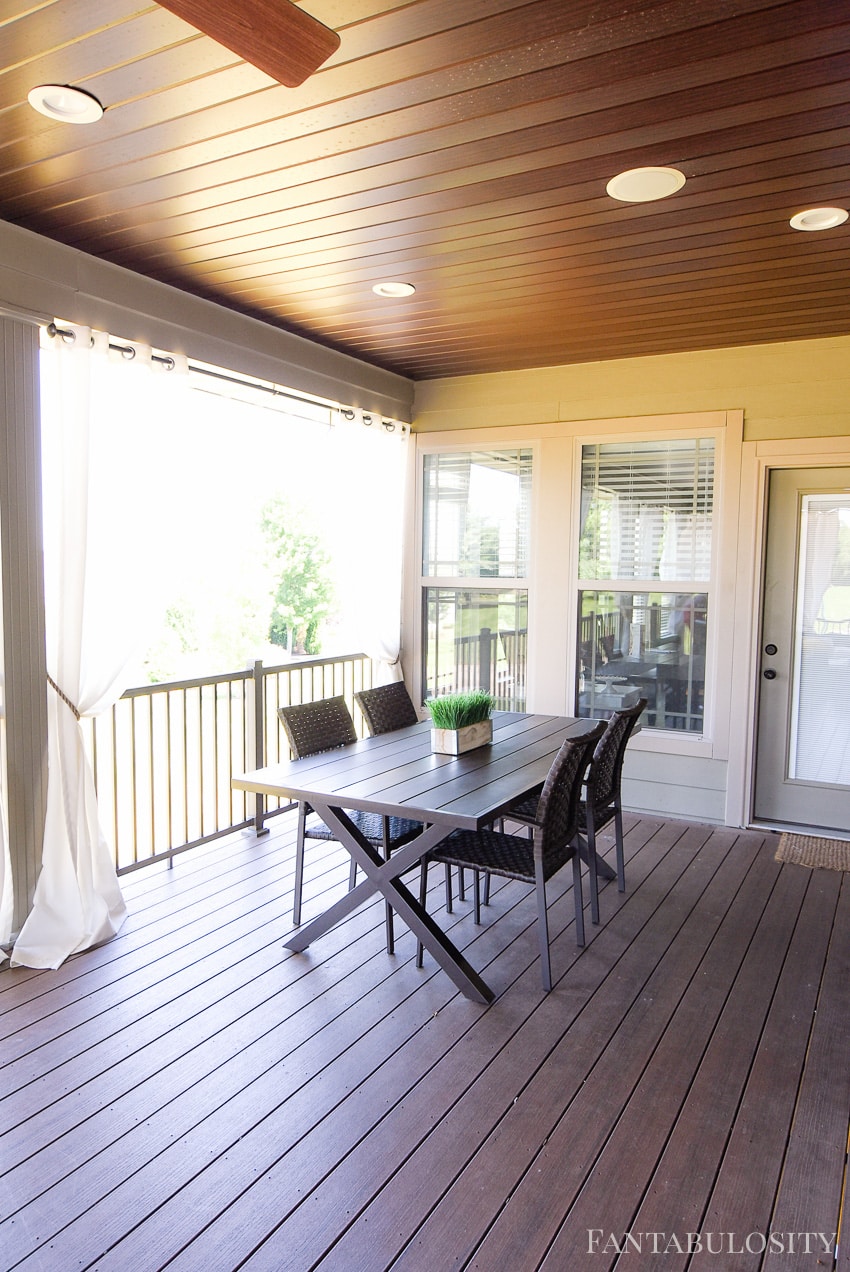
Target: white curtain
5,883
822,539
370,462
103,417
6,898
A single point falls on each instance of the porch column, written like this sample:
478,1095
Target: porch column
23,606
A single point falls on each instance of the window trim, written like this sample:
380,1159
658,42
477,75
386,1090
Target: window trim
713,742
469,583
552,602
636,585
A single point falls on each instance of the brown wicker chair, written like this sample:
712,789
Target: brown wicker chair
314,727
386,707
554,842
602,801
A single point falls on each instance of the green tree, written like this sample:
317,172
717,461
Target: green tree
177,637
303,595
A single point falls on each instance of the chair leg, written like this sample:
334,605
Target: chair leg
543,929
487,877
388,910
423,897
449,902
579,900
299,863
618,835
591,871
476,896
461,885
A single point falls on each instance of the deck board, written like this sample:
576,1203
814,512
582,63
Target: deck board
817,1140
743,1198
192,1095
547,1062
644,1058
443,1118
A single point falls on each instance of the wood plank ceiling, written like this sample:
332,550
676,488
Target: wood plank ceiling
463,146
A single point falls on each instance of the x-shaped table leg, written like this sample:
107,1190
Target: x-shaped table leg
383,877
602,868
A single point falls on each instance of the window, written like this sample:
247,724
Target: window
645,567
476,518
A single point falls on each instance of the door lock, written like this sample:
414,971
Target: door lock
769,674
770,649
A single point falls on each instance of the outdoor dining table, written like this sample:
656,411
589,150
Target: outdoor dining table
397,774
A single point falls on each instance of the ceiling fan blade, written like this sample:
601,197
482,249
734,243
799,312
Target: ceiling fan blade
274,35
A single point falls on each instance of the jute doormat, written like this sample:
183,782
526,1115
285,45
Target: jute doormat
812,851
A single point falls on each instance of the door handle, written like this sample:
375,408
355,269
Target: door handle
770,674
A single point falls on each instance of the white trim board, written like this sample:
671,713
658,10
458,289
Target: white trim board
39,277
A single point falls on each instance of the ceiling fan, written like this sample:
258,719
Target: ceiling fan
274,35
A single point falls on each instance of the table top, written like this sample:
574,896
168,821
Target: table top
398,775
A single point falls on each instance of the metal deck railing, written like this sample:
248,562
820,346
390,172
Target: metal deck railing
164,755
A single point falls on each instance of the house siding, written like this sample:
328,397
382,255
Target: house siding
796,389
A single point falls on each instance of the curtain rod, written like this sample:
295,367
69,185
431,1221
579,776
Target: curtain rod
127,350
273,389
168,362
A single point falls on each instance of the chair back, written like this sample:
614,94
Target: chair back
386,707
558,806
603,783
312,727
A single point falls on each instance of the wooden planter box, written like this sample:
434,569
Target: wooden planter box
456,741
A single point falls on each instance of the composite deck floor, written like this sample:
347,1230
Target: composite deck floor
193,1096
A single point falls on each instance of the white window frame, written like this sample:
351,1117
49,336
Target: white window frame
414,610
713,742
553,568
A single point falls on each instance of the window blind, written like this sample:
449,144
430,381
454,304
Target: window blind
647,509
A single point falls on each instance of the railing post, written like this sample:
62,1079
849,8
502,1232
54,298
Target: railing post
485,659
257,736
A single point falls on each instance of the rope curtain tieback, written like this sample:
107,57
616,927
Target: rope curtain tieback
63,696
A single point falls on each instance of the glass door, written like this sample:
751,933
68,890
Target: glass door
803,750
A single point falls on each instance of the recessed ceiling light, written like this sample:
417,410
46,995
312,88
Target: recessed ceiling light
642,185
70,105
819,219
393,289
